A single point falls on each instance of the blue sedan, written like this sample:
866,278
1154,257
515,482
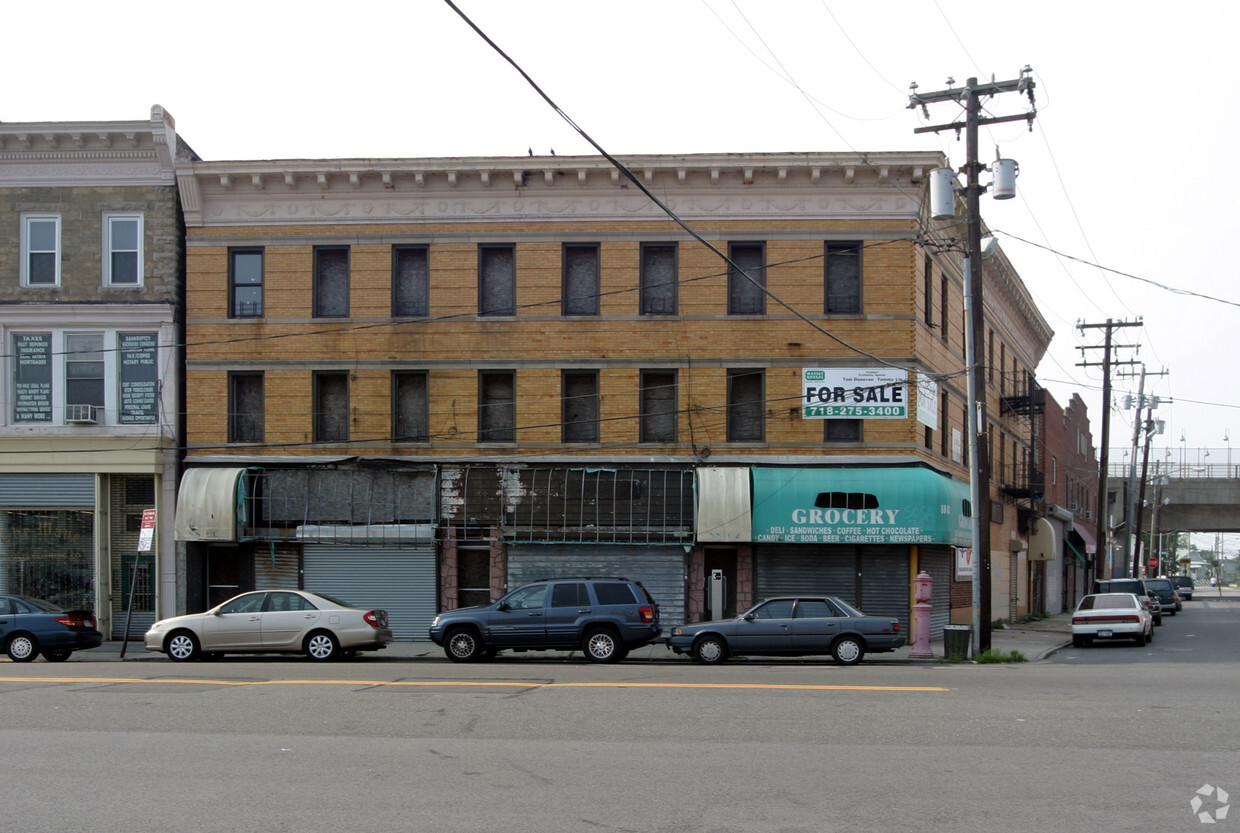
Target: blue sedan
29,627
791,627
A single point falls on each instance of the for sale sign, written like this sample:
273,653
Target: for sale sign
854,393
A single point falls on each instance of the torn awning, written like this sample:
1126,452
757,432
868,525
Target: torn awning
211,505
890,505
723,505
1044,543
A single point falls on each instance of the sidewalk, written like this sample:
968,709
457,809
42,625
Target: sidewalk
1036,640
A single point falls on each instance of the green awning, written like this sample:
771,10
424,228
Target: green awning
890,505
1079,556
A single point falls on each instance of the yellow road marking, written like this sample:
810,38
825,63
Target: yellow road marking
466,683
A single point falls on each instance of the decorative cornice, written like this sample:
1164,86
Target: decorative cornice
88,153
522,189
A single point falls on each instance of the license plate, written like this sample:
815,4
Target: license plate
1104,633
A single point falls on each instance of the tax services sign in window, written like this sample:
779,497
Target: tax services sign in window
854,393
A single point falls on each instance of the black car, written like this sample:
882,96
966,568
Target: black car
791,627
29,627
604,617
1165,590
1183,586
1137,587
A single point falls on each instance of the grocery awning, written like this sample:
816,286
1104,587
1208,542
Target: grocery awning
723,498
887,505
211,505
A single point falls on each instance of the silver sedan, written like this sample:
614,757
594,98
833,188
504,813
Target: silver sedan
272,621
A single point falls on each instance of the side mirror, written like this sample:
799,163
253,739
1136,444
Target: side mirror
748,617
504,606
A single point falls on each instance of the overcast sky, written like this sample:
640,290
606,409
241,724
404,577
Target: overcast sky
1126,166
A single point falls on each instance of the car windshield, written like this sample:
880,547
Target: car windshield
1158,584
333,600
847,608
1108,601
40,605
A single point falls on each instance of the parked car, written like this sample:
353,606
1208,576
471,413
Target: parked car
272,621
1137,587
1111,616
1167,595
1183,586
29,627
604,617
791,626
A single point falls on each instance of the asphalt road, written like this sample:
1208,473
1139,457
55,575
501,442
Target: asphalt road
1105,739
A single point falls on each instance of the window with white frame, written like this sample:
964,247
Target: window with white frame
40,250
59,377
84,372
122,249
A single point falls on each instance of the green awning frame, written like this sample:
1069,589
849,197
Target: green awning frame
874,505
1079,556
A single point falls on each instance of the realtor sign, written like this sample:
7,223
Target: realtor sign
854,393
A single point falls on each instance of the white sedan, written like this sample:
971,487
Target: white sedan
272,621
1111,616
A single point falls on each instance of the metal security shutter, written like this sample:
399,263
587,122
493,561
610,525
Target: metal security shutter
401,580
792,570
885,582
937,561
278,567
47,490
661,570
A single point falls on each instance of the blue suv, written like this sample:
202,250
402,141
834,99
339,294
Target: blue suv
604,617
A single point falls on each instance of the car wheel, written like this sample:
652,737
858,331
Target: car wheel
182,646
1150,636
322,646
463,645
602,645
1078,642
1141,639
711,650
848,650
56,655
23,648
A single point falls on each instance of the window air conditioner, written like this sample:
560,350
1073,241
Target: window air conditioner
82,414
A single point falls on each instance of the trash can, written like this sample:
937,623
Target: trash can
956,641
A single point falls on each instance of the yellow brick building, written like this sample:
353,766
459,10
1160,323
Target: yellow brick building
432,379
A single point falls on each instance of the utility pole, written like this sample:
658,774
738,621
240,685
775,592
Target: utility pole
1136,493
1104,449
979,449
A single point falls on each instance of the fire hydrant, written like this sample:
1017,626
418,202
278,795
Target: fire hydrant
922,587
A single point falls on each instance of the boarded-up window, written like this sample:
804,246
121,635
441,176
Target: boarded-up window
497,406
658,279
581,279
658,406
410,281
497,280
746,406
841,430
843,278
245,407
331,282
410,407
745,285
581,406
331,407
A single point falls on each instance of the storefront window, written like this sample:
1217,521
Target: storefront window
49,554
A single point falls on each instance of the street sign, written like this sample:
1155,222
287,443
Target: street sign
146,534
